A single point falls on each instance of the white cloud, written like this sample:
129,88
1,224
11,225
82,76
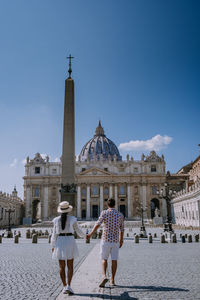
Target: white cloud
158,142
23,161
57,159
14,163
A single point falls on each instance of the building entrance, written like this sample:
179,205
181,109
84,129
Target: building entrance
83,214
95,211
36,210
122,209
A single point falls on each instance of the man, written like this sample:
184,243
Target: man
112,238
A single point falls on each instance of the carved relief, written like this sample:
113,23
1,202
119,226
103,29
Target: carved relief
153,157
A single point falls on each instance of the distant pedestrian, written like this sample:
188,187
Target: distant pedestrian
112,239
63,244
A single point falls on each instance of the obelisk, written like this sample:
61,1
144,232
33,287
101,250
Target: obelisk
68,188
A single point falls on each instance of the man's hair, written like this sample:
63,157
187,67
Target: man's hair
111,202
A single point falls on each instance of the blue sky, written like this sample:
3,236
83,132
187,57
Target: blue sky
136,67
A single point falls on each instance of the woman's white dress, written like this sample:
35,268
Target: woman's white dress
65,247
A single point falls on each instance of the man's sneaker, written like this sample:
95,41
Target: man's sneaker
69,290
65,290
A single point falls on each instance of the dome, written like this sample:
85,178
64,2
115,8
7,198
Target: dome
99,147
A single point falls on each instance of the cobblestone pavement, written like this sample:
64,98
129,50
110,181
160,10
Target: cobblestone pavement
157,271
146,271
27,271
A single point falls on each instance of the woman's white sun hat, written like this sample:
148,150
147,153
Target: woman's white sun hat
64,207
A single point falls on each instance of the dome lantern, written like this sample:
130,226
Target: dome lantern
99,130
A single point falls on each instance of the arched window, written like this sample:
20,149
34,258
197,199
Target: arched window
154,190
37,170
83,191
122,190
153,168
95,190
36,192
106,191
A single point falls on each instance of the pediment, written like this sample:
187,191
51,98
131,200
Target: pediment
95,172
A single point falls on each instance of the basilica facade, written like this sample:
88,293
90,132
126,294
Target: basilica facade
100,173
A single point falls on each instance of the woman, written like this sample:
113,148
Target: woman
63,244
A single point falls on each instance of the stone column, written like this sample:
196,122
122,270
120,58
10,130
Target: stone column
164,209
129,201
144,199
28,202
101,198
144,195
46,170
78,201
59,197
39,211
198,212
110,191
88,203
148,203
46,203
15,216
116,197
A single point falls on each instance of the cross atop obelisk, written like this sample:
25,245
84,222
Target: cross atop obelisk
70,65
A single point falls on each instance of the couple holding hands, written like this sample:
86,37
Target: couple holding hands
64,248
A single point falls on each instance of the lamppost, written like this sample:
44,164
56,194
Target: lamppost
167,194
9,211
143,233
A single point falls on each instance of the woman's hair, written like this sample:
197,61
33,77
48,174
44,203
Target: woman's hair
63,220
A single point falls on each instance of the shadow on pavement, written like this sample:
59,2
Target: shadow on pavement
125,295
152,288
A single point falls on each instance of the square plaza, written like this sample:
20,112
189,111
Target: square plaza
145,271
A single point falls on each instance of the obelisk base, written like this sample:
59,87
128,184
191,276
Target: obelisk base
69,196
